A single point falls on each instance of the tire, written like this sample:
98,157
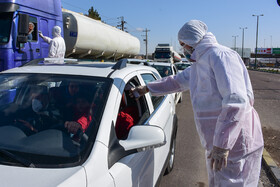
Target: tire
171,157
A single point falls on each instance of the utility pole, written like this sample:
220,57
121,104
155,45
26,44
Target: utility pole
256,50
122,23
146,41
235,42
242,53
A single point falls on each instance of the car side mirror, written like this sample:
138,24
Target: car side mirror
144,137
23,27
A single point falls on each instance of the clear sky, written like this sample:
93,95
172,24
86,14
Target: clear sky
165,17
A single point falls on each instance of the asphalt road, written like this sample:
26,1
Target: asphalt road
266,88
190,167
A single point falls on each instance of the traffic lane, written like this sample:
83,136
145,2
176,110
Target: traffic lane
189,166
267,97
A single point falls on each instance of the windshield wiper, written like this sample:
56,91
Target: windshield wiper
17,158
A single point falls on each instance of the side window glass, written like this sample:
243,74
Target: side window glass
131,111
156,100
33,29
175,70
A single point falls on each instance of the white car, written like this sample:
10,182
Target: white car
182,65
73,124
166,69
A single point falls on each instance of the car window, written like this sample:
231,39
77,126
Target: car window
182,66
163,70
39,114
156,100
131,111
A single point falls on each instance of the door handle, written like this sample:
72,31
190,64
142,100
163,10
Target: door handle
37,50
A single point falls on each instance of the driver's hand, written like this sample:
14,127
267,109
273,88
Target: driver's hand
72,126
138,91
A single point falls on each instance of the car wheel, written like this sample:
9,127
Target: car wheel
170,164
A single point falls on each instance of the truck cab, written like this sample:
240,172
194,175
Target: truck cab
21,22
165,53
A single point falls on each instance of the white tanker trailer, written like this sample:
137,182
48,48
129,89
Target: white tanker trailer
89,38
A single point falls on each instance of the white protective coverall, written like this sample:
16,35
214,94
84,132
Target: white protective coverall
57,44
222,100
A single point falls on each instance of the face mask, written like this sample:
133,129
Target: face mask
189,51
36,105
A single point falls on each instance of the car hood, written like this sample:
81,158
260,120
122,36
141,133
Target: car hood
20,176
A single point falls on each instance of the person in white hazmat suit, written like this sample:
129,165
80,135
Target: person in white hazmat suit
57,44
222,98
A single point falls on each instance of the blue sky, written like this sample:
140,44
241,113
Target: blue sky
165,17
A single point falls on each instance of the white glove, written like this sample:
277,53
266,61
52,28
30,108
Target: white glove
218,158
138,91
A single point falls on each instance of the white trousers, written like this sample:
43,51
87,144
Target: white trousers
240,173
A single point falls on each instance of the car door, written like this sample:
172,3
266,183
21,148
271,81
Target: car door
162,116
178,94
44,28
131,168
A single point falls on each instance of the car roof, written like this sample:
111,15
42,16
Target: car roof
82,68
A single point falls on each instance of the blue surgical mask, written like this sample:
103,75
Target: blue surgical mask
36,105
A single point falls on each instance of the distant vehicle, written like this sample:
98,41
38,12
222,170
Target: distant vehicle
37,150
166,69
182,65
166,53
84,37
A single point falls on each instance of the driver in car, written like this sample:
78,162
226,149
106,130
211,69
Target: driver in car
82,114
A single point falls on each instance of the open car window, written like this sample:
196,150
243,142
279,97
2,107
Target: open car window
131,112
50,119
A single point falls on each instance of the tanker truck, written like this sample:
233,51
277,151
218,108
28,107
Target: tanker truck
84,37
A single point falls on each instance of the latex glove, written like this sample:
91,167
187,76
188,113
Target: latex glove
138,91
218,158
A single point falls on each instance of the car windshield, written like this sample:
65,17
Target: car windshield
50,120
5,22
163,70
182,66
162,55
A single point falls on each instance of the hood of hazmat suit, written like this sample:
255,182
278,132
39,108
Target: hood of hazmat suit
222,100
192,32
56,31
